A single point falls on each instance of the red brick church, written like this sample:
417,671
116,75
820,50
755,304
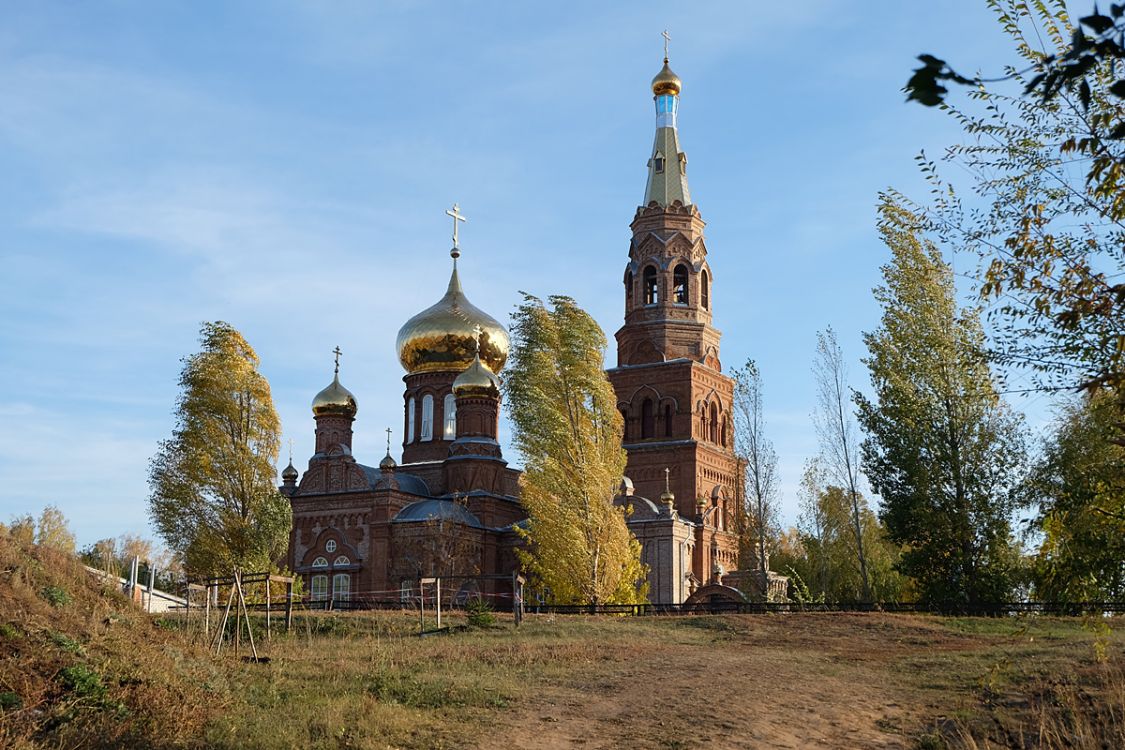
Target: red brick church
451,507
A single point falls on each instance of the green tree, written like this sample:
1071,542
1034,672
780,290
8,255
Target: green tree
54,531
1050,167
213,497
756,521
1079,487
568,430
942,450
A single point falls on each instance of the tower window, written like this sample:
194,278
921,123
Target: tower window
667,420
658,164
679,285
714,424
410,420
652,293
427,418
704,292
628,289
449,412
648,419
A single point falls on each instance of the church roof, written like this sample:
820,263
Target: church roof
437,509
406,482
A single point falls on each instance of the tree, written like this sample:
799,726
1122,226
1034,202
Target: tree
942,450
1050,167
835,426
568,430
53,531
1079,487
758,461
213,497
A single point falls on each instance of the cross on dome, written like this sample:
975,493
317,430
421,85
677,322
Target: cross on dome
455,213
667,38
337,352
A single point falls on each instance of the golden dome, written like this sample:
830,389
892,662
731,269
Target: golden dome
666,82
477,380
335,399
443,337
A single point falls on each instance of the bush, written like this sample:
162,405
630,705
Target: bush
83,681
66,643
56,596
479,614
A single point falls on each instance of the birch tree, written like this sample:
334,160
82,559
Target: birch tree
568,430
758,461
835,427
213,495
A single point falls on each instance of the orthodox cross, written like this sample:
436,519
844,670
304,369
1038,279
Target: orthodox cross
290,450
388,441
667,39
667,471
477,331
337,352
456,214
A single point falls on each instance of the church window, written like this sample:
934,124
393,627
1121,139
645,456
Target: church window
320,562
724,433
658,164
704,292
647,419
667,420
330,545
342,560
713,423
628,289
341,587
680,285
427,418
319,588
652,293
410,420
449,412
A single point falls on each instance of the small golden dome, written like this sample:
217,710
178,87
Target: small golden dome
335,399
388,463
666,82
289,473
477,380
443,336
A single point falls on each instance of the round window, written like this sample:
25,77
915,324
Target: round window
330,545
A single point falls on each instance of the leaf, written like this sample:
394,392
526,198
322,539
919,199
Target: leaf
1099,23
1118,89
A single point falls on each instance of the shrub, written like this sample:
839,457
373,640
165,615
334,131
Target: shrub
83,681
56,596
66,643
479,614
10,632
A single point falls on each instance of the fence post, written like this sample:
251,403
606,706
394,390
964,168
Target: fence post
289,606
151,584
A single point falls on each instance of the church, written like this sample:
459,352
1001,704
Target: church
368,535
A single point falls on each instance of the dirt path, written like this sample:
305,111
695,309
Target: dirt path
829,691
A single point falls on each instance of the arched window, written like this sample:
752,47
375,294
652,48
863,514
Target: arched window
427,418
704,290
330,546
714,423
628,290
341,587
652,293
449,412
410,420
667,420
723,436
679,285
647,419
320,562
318,588
624,424
342,560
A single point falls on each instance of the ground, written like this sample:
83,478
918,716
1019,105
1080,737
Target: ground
81,667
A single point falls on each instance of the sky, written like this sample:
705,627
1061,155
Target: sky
286,166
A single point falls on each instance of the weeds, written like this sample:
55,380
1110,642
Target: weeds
56,596
83,681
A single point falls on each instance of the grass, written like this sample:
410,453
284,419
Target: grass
92,671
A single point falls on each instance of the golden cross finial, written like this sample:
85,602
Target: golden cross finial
667,487
388,441
456,214
337,352
667,38
477,331
290,450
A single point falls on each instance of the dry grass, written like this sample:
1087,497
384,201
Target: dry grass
89,671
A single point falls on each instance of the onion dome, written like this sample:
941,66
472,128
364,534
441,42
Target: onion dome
667,497
289,473
388,463
334,400
477,380
443,337
666,82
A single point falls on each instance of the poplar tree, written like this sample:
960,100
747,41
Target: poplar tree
213,494
568,430
942,450
758,462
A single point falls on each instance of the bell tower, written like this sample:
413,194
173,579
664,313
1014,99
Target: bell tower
672,394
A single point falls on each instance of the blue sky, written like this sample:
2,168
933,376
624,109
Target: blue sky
285,166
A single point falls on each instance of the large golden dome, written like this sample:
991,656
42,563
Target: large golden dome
443,337
335,399
666,82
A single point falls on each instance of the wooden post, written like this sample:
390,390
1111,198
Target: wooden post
151,583
289,606
517,598
221,631
246,613
421,607
268,635
207,611
438,584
